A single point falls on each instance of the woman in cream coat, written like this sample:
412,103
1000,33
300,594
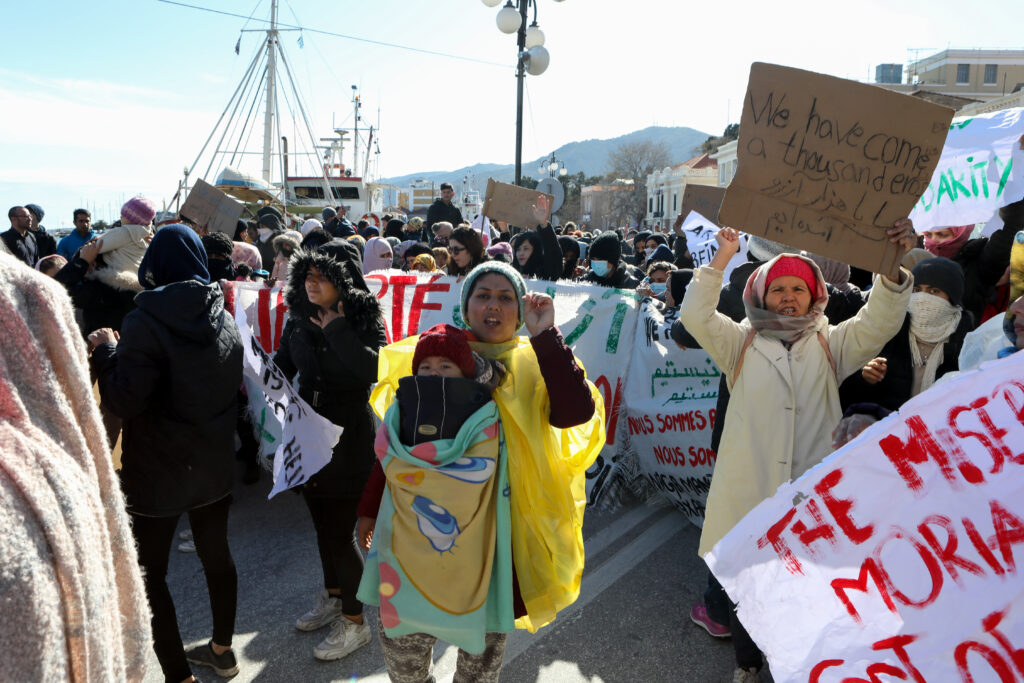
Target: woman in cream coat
784,363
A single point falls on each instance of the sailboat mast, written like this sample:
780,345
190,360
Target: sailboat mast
268,119
355,137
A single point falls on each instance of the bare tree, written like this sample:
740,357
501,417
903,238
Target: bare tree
633,162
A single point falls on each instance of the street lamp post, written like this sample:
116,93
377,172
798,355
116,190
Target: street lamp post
533,57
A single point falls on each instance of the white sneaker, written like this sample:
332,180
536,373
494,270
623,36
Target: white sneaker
326,610
185,535
188,546
345,637
745,676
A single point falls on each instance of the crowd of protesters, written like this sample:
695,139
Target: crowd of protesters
824,348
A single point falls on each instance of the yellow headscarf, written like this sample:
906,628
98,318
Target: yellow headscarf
546,469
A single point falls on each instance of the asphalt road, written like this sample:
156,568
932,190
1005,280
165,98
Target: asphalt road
630,624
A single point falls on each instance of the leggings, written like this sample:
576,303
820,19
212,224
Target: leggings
154,536
335,521
747,653
408,658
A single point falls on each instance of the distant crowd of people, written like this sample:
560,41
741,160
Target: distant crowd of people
811,351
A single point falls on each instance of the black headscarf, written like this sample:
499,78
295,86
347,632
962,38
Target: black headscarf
174,255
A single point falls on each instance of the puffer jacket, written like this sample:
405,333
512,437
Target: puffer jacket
336,365
173,378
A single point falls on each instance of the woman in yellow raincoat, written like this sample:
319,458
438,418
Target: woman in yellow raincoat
552,424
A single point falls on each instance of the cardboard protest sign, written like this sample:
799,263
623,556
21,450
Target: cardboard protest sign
704,199
511,203
671,396
307,439
898,554
827,165
979,171
700,242
208,207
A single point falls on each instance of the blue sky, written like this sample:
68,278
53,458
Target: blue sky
101,101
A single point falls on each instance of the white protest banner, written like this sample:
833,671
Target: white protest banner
598,324
670,411
700,242
898,554
307,439
979,171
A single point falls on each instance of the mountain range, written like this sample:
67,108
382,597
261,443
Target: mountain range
589,156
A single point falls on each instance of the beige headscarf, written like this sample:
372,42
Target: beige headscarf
74,604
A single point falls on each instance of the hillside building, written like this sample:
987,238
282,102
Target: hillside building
665,189
976,74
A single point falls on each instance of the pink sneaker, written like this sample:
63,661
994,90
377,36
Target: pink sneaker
699,615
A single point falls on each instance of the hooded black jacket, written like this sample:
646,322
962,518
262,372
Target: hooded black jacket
894,389
173,378
336,365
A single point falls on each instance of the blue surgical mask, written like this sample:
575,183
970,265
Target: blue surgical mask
658,287
601,268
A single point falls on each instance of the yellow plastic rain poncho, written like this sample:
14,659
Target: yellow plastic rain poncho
546,470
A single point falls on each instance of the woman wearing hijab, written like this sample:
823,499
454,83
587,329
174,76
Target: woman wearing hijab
173,377
983,260
377,255
549,435
926,347
784,363
330,341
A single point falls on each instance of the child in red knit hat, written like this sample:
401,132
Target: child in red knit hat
436,408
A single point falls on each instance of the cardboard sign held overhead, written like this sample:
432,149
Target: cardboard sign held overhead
511,203
827,164
208,207
704,199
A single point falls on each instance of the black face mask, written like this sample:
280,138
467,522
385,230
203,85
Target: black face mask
220,270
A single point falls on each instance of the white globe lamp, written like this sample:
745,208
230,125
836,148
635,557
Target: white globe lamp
509,20
534,36
537,60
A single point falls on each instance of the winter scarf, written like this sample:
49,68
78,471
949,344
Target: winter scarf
785,328
75,608
441,560
122,249
546,469
949,248
932,321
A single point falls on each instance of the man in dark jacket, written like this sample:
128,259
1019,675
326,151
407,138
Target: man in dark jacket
19,240
173,377
442,210
47,243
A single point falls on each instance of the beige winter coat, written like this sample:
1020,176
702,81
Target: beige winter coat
784,404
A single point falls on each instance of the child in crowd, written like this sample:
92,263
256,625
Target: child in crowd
445,510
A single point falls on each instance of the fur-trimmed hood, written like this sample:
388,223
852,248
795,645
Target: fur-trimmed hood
361,308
